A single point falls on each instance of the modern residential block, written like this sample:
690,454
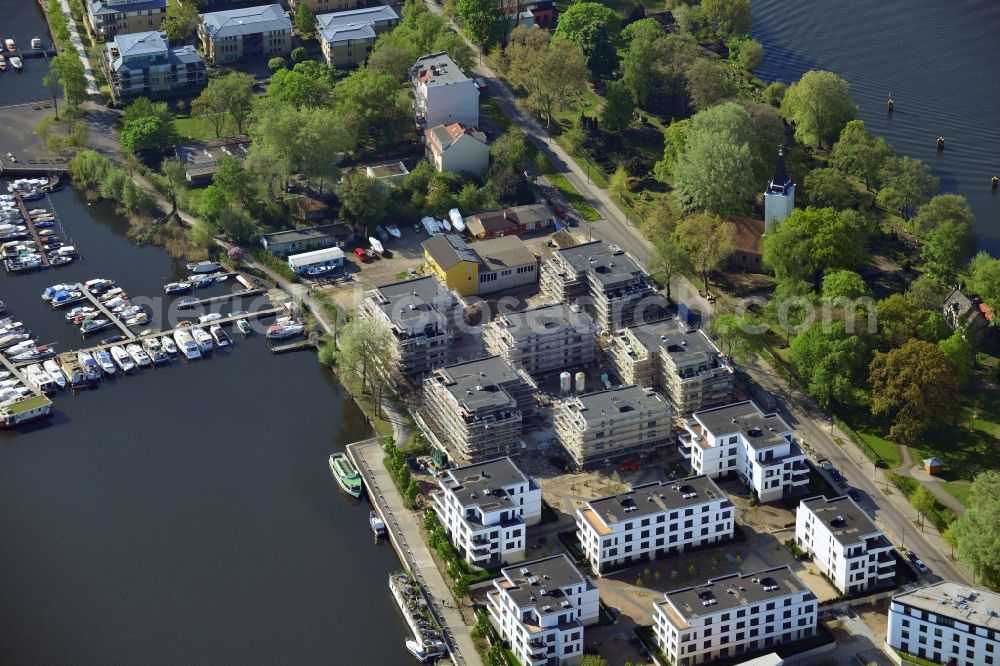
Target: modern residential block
741,439
318,7
605,281
540,609
481,268
144,63
681,362
249,32
486,508
844,543
117,17
613,425
947,623
653,520
442,93
457,148
418,314
548,338
347,37
478,407
734,615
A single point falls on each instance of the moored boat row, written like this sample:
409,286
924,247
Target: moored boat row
427,642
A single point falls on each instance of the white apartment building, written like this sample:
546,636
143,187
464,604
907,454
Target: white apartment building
442,93
741,439
653,520
844,543
540,609
613,425
548,338
947,623
485,508
418,315
734,615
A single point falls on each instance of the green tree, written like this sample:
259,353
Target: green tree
923,501
365,348
707,84
812,240
984,278
483,21
495,656
819,105
68,69
674,141
915,385
739,337
298,88
616,115
389,57
708,240
942,208
906,183
370,109
592,660
277,62
792,305
361,200
727,17
202,234
774,93
151,134
175,181
714,172
977,531
860,154
691,20
210,106
926,293
181,22
596,29
640,62
235,91
551,77
234,182
88,168
833,363
751,54
946,247
305,20
669,261
213,202
461,587
844,285
961,352
898,321
829,188
236,225
618,184
506,182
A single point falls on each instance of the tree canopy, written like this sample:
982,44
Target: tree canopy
812,240
819,104
552,74
946,247
829,188
708,240
906,184
942,208
984,278
977,531
483,20
844,285
727,17
833,363
595,28
69,70
181,21
859,153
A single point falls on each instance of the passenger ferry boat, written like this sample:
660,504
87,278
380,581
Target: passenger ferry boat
346,474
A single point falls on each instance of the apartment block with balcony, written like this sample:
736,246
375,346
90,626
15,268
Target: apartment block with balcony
681,362
248,32
613,425
545,339
947,623
653,520
740,439
144,63
442,94
845,544
486,509
734,615
477,407
605,281
418,314
109,18
347,37
541,609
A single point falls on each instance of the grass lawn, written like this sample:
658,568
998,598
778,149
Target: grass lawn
959,490
199,129
887,450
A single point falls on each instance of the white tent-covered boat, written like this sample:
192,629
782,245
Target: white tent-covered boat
457,220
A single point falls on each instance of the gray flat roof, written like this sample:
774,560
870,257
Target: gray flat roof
98,8
482,483
410,300
347,32
552,317
362,15
625,399
656,497
746,417
438,69
771,584
550,574
597,258
246,21
479,384
969,604
306,234
847,521
204,156
674,338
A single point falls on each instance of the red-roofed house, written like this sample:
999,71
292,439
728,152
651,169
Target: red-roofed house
746,256
457,148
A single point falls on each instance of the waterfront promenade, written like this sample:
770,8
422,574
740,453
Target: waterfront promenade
403,525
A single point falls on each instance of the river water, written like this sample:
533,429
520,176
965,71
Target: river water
938,61
183,514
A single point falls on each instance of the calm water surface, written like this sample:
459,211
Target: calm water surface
937,59
184,514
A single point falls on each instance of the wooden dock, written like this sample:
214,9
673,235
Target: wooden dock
16,372
111,316
190,305
312,342
31,227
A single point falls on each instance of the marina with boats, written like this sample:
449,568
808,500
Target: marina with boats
410,595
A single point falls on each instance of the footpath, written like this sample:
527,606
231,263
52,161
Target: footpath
77,43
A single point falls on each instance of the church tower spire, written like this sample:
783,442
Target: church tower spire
779,197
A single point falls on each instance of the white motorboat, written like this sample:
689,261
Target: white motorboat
91,368
376,244
154,348
138,355
9,43
122,359
16,63
210,317
393,230
187,345
377,524
23,346
284,331
111,293
219,335
99,284
168,345
36,43
50,292
425,651
177,287
104,360
204,267
55,372
10,341
39,379
4,374
140,319
9,383
130,311
93,325
457,221
244,326
80,311
34,354
203,339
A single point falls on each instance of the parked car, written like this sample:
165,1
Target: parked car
917,562
481,84
824,463
360,253
854,495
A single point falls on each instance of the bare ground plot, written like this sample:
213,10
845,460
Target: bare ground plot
616,643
